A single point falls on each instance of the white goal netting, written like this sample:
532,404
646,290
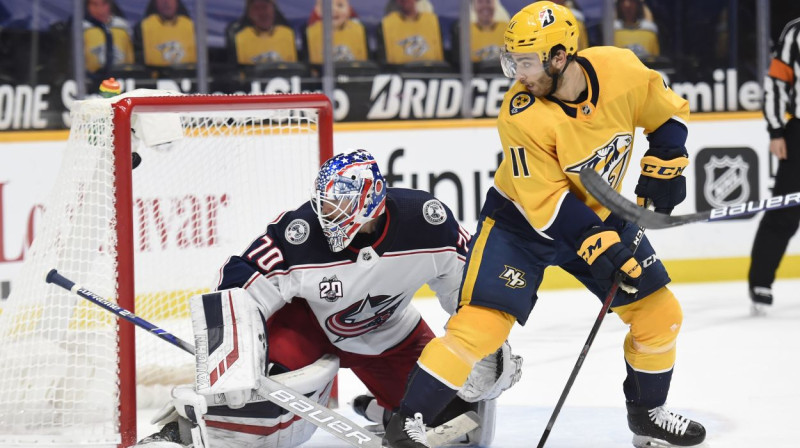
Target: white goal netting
196,200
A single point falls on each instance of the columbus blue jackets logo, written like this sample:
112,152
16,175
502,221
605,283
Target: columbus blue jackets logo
520,102
363,316
433,212
610,160
297,231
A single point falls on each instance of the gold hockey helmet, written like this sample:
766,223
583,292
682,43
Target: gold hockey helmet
537,28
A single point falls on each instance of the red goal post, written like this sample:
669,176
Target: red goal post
215,169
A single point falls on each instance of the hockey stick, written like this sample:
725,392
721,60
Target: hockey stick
592,333
629,211
285,397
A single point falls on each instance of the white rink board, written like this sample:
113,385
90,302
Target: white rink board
470,151
468,155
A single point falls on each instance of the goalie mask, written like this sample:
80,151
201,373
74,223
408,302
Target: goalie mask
349,192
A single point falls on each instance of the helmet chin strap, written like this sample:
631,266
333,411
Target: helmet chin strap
556,77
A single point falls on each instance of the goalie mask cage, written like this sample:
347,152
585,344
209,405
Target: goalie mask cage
148,238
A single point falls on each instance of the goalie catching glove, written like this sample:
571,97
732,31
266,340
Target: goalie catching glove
492,375
662,180
602,249
231,344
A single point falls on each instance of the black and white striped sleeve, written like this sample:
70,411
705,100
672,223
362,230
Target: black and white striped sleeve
780,85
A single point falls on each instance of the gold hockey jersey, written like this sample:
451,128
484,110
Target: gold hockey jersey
349,42
259,47
168,42
409,40
486,43
94,44
546,142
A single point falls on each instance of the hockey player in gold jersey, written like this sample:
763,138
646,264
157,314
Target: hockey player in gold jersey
566,112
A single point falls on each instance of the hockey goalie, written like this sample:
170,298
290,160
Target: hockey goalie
328,285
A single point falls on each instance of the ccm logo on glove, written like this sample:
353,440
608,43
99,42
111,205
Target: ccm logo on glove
663,169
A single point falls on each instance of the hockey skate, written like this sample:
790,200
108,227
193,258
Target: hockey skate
405,432
367,406
660,427
761,298
168,437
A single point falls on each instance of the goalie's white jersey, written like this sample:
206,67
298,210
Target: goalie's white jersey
361,296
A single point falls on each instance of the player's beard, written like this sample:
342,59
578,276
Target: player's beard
540,87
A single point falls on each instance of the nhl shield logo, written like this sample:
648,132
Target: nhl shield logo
297,231
726,181
433,211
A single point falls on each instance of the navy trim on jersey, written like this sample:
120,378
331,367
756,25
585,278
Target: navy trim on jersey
565,106
671,134
404,210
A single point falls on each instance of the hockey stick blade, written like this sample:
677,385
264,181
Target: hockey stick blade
629,211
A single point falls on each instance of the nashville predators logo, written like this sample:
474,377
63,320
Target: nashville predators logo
172,51
414,46
520,102
610,160
514,277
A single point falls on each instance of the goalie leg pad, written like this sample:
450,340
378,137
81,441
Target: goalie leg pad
231,344
264,424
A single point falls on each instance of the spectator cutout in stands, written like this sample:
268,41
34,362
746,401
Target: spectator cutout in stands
408,35
165,37
349,36
634,31
583,36
106,38
488,21
262,36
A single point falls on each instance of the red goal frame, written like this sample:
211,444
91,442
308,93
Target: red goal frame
123,111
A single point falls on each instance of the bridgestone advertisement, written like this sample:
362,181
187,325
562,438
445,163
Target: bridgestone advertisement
383,97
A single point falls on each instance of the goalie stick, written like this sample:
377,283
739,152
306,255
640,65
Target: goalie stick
629,211
285,397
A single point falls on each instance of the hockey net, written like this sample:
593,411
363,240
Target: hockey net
215,170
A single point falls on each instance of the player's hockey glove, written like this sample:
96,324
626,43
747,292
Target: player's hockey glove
607,257
662,178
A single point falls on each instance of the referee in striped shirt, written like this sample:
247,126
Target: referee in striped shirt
781,97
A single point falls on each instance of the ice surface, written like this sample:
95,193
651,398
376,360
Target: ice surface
735,373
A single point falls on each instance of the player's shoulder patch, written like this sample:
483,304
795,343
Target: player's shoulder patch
433,211
297,231
519,102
